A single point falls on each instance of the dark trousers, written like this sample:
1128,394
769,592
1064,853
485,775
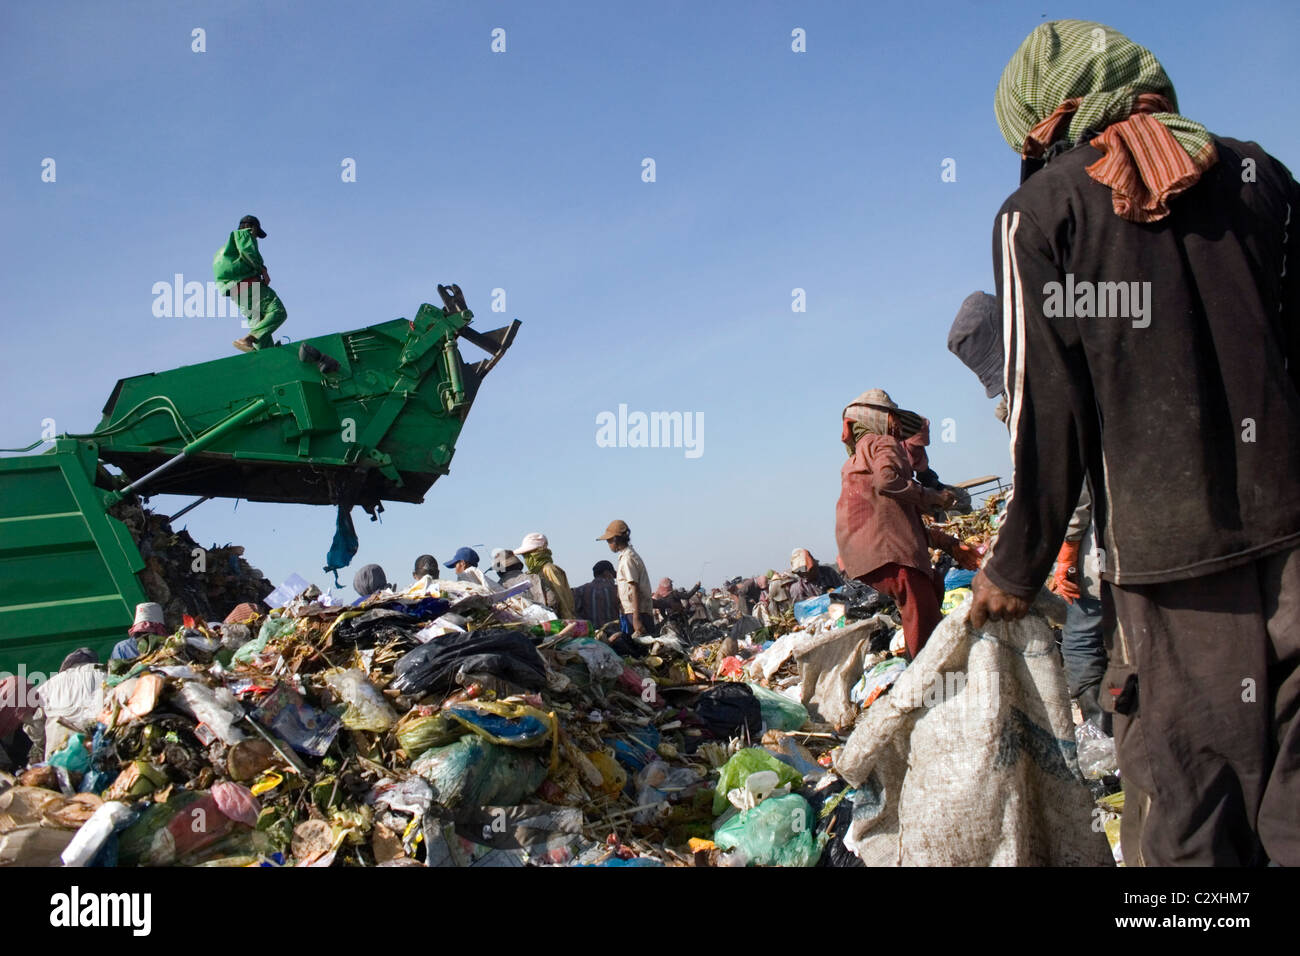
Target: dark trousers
1205,680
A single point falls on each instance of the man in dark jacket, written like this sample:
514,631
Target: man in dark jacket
597,600
1151,316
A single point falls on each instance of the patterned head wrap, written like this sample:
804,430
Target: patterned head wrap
1072,80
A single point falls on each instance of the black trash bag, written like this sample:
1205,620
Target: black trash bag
835,824
729,710
860,600
378,625
505,655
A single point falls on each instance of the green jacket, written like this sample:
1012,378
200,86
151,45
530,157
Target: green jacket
237,260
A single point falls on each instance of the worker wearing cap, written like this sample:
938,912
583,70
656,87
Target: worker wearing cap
240,273
550,583
465,563
878,526
636,603
509,569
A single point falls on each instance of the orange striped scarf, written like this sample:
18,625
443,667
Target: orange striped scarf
1142,163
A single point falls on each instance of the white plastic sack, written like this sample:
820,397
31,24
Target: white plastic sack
970,759
830,662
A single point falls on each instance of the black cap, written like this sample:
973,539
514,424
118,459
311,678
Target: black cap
250,222
976,339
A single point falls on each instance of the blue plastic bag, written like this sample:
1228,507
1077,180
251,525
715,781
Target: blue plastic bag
957,578
812,607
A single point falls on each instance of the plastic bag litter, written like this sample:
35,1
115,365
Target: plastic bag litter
769,661
412,795
33,845
777,832
538,614
419,731
200,644
811,608
506,655
859,600
541,829
877,680
474,772
273,628
73,755
602,661
368,709
789,751
655,782
216,708
304,727
958,578
504,722
744,762
955,598
132,699
730,710
779,711
1096,753
613,776
639,748
759,785
236,802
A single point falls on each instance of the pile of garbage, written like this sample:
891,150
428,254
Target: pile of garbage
456,724
184,578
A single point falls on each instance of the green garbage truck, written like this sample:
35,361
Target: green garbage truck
352,418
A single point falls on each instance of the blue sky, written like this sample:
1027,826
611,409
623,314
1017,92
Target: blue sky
522,170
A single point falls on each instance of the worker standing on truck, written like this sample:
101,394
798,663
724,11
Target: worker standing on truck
241,274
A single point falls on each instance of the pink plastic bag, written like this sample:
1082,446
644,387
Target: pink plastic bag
236,802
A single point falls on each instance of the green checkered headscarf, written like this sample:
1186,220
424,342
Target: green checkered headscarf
1079,59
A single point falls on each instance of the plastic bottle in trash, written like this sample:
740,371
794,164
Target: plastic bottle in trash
92,835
